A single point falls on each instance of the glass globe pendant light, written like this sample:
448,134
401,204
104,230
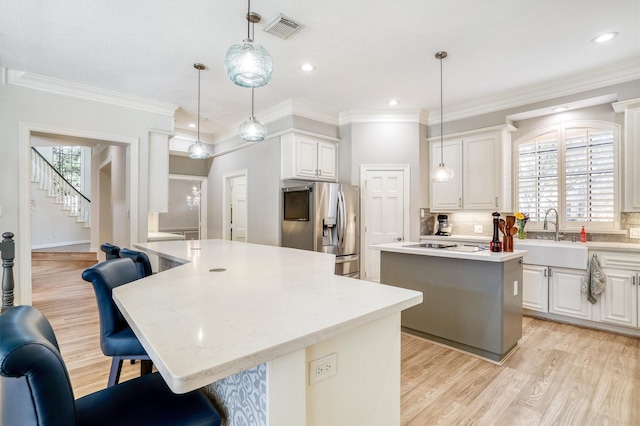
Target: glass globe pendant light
246,63
253,130
198,150
441,173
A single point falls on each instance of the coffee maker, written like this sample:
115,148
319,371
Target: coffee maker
444,226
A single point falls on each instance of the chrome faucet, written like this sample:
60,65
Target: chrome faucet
545,226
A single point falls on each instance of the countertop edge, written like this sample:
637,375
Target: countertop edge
482,256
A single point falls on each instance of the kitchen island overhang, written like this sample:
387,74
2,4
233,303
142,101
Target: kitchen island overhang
472,300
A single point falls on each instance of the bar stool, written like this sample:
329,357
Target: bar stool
111,251
141,260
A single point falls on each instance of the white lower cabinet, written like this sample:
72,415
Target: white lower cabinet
566,296
619,301
535,288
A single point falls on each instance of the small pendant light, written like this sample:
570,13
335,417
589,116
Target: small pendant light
248,64
441,173
253,130
198,151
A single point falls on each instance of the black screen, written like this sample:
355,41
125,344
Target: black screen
296,205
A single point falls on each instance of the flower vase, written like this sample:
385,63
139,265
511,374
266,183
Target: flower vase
522,234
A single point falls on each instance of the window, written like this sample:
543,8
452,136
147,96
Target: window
570,167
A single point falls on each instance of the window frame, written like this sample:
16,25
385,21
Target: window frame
561,129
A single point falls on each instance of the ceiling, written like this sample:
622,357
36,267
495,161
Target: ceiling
365,51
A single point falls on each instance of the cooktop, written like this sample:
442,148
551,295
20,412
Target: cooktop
432,245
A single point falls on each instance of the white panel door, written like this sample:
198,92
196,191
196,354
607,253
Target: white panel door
327,161
383,215
618,300
447,196
306,157
566,296
239,209
535,288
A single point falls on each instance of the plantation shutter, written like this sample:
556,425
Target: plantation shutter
538,175
589,163
569,167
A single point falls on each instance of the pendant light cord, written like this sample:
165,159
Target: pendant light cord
441,120
248,20
198,140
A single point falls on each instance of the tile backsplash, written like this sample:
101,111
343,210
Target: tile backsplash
464,224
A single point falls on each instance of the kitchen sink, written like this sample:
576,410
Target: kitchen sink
563,254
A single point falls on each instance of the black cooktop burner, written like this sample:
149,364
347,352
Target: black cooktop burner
432,245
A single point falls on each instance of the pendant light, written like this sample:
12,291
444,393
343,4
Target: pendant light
253,130
441,173
198,151
248,64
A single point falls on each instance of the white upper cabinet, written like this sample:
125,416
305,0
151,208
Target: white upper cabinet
447,196
631,110
481,163
308,157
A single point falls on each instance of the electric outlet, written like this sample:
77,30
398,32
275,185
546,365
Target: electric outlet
322,368
634,232
515,288
477,229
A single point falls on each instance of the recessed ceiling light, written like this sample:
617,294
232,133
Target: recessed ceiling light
192,125
560,109
392,102
307,67
604,37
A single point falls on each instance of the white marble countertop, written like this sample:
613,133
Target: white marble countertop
483,255
199,326
590,245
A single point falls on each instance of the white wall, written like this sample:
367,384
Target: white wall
50,225
262,162
22,106
389,143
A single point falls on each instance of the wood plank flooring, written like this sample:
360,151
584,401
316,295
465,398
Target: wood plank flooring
560,375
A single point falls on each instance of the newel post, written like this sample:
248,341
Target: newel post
7,246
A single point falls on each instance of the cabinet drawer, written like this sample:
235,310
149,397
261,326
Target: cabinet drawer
617,260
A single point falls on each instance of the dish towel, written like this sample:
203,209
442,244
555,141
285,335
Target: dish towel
595,281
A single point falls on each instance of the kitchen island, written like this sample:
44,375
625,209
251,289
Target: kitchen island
245,321
472,299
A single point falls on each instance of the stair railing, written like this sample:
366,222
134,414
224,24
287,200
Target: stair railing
8,250
57,186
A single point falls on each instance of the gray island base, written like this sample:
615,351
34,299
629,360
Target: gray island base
472,305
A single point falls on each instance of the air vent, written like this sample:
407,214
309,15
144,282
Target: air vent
281,26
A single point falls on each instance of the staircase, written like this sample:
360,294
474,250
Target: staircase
58,188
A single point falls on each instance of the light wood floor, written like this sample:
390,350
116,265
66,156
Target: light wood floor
560,375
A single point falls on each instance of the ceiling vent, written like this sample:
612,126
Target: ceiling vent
281,26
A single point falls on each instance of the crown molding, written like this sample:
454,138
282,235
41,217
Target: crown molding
622,106
352,116
284,109
81,91
578,83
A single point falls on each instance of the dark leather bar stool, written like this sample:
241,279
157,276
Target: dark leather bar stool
111,251
141,259
117,340
36,388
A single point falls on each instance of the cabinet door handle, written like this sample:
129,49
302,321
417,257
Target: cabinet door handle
496,201
460,202
545,271
550,271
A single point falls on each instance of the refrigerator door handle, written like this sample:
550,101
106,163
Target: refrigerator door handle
342,220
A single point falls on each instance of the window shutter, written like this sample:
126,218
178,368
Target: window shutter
538,175
589,162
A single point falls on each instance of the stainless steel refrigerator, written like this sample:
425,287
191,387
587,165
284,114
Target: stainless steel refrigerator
323,216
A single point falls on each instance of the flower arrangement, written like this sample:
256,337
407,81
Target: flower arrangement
522,219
